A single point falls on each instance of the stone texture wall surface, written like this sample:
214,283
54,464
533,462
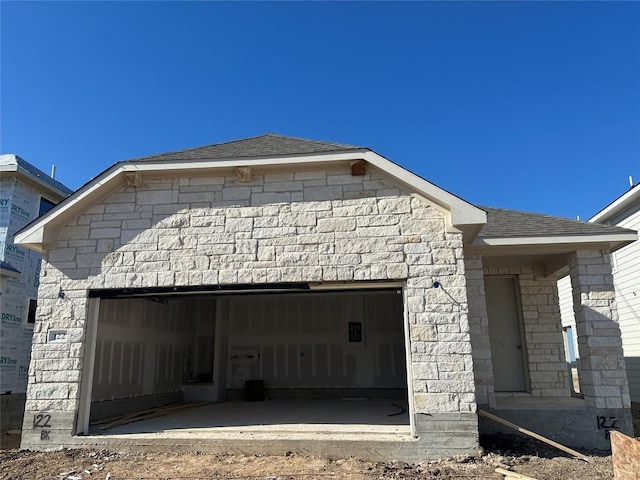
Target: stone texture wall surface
602,372
479,330
295,226
548,372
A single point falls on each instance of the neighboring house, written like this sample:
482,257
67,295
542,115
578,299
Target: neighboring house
623,212
25,193
374,309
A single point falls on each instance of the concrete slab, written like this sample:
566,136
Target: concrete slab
294,419
375,429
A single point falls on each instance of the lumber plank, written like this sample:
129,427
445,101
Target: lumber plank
134,414
513,475
123,417
149,413
625,452
535,435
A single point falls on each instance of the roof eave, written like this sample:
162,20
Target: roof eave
553,244
463,215
34,234
462,212
34,179
617,206
220,163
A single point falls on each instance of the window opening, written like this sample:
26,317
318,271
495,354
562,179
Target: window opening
31,315
45,206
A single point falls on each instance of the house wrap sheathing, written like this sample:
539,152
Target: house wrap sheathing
315,274
25,192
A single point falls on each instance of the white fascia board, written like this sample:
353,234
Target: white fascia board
462,213
238,162
617,206
554,240
18,170
91,190
32,239
34,233
8,162
44,185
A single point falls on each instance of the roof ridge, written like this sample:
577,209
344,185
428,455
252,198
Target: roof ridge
265,144
273,134
171,152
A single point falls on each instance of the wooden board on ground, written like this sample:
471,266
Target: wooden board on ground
146,414
139,413
509,475
535,435
625,452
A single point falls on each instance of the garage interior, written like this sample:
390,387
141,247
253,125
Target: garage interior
296,360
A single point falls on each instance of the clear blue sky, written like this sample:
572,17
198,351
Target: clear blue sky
531,106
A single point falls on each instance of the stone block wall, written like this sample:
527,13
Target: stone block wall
602,372
548,371
479,330
294,226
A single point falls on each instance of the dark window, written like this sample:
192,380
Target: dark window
355,332
45,205
31,316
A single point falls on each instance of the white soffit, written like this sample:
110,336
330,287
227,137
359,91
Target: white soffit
615,240
33,235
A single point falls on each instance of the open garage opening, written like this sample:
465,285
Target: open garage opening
262,359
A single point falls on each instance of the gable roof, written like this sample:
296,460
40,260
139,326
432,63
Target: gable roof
266,145
502,222
264,152
512,227
487,227
620,206
10,162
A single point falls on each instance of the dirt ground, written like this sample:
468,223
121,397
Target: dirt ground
511,452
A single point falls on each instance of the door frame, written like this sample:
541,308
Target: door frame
88,363
521,326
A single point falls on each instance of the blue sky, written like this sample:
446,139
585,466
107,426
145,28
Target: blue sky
530,106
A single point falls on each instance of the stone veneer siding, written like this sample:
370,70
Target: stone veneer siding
479,330
601,366
604,381
298,226
547,367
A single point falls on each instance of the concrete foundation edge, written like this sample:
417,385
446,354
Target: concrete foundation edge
448,435
582,428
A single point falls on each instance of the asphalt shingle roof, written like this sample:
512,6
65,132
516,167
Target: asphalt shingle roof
269,144
15,160
503,223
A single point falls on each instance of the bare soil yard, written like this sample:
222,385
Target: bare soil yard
522,455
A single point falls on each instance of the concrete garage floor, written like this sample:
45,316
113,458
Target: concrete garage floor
275,419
